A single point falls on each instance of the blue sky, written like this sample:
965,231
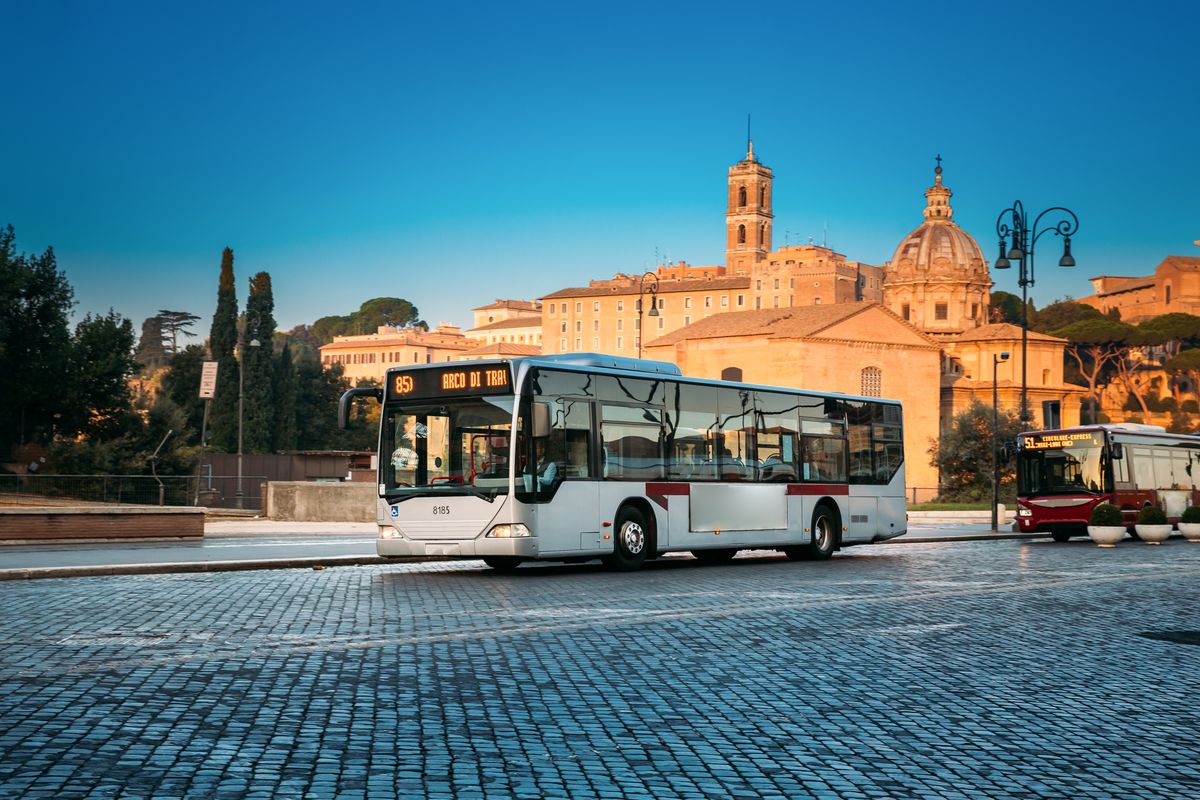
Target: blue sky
454,153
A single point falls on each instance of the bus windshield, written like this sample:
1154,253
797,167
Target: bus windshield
1065,470
449,446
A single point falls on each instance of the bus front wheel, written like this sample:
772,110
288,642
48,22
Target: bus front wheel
502,563
632,541
824,537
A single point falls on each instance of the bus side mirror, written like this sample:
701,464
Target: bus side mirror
1117,451
541,420
348,398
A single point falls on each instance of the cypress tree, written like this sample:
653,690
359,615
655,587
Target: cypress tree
259,324
285,400
223,421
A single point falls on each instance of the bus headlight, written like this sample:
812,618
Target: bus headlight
515,530
388,532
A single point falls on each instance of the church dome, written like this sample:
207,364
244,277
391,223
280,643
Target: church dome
938,278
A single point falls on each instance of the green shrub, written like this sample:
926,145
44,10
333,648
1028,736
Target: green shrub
1151,515
1191,514
1106,514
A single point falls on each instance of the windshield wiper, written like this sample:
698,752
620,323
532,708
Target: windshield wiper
394,496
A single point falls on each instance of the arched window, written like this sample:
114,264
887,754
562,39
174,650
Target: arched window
731,374
1168,295
742,196
762,233
741,234
872,382
762,195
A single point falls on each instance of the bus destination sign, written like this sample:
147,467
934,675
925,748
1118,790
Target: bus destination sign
449,382
1055,441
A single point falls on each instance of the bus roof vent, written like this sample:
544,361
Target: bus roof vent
611,362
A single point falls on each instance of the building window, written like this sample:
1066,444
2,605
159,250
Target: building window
661,323
562,345
579,308
762,195
1045,377
564,307
687,320
757,303
620,342
816,301
708,301
762,233
552,307
595,305
741,300
742,196
777,283
872,382
724,301
415,358
731,374
741,234
1168,295
974,310
687,302
620,305
941,311
578,343
791,283
662,303
776,299
578,326
595,325
620,324
595,342
758,285
562,327
904,311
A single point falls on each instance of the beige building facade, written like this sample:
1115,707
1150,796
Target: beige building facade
1174,287
371,355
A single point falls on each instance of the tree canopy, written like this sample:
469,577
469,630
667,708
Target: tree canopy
963,454
392,311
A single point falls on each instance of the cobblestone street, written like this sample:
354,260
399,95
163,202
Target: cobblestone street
997,669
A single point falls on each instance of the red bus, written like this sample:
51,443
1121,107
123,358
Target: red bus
1063,474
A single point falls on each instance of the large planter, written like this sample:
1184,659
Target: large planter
1106,535
1190,531
1153,534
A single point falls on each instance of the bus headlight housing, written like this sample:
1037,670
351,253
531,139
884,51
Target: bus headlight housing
515,530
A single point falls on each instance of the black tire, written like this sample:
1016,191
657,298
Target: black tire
1060,535
504,564
633,541
825,527
722,556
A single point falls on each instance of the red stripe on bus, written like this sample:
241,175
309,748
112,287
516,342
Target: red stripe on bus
658,492
817,488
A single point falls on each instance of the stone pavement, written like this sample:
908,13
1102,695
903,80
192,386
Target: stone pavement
994,669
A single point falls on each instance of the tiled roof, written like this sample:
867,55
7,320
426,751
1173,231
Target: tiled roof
796,322
505,324
505,349
400,340
521,305
1000,331
664,287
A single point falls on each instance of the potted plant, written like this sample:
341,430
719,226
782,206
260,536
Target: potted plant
1189,523
1107,525
1152,526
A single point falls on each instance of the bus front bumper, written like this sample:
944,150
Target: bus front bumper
392,544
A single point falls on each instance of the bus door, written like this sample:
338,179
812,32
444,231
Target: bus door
564,476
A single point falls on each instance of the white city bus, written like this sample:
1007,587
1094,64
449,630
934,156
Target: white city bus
584,456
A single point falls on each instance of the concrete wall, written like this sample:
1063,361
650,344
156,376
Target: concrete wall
321,502
112,523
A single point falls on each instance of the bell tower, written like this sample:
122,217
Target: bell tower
748,215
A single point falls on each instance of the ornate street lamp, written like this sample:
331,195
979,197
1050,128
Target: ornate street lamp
647,284
1023,239
996,359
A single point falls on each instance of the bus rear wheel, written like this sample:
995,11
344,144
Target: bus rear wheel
721,556
824,537
503,564
632,541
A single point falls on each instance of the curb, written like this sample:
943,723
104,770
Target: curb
32,573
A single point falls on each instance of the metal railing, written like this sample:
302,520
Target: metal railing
214,491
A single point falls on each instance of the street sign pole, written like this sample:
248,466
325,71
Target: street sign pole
208,390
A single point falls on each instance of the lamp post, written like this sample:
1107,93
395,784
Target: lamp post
241,391
1024,238
646,286
996,359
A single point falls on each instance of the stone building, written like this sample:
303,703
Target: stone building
516,322
1174,287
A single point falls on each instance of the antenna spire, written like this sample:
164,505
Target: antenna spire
749,141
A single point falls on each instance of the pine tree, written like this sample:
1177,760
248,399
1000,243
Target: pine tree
150,352
222,341
285,400
259,410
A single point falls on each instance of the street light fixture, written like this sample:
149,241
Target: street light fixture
241,390
645,287
996,359
1023,240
